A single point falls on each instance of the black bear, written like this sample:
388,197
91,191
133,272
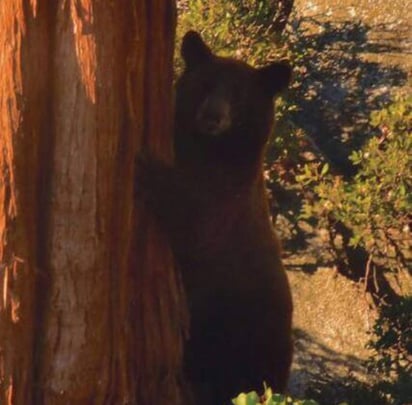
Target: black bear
213,206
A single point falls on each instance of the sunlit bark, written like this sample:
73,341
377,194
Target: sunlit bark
90,310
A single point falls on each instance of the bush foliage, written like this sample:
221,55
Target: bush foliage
240,28
269,398
392,343
377,203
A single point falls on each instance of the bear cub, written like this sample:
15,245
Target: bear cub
213,206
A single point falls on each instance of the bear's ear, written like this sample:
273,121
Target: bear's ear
275,77
194,50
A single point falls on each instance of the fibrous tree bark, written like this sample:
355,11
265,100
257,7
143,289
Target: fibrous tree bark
90,310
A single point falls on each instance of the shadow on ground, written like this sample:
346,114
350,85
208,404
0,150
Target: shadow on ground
316,374
339,85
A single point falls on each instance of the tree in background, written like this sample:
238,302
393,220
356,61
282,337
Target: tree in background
90,309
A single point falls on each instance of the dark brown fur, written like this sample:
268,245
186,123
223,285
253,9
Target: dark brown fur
214,208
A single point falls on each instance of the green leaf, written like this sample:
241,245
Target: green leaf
325,169
354,240
279,399
251,398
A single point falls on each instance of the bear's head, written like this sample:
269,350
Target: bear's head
224,107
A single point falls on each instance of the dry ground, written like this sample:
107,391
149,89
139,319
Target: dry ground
360,52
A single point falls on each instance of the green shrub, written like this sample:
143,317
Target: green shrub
377,203
392,343
269,398
240,28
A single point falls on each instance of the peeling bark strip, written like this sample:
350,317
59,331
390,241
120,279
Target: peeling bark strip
87,284
23,117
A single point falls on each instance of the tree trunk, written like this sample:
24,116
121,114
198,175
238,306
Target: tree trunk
90,310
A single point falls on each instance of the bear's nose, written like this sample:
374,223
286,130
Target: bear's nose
213,117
